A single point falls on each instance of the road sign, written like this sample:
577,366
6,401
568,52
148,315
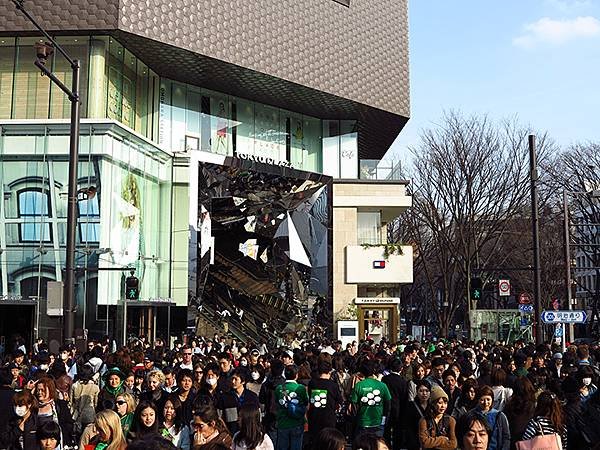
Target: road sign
526,309
565,316
504,288
524,298
558,331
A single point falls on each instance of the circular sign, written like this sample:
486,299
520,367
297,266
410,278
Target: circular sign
504,287
524,298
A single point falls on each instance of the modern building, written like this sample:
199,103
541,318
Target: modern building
230,155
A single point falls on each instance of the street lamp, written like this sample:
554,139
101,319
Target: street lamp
43,52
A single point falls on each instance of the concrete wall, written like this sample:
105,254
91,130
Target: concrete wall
344,233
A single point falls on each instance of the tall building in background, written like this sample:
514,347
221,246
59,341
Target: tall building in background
232,151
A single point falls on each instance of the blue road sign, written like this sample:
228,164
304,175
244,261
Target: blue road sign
574,316
526,309
558,332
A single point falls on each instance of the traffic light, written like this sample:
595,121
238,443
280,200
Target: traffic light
476,289
132,287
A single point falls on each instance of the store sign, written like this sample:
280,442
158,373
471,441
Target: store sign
377,301
264,160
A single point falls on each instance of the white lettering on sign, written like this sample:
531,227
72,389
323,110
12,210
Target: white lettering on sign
264,160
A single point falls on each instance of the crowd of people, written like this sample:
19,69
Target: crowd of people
217,393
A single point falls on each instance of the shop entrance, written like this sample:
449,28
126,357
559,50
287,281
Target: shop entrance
147,318
378,322
17,319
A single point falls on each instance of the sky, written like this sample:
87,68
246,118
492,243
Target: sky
536,60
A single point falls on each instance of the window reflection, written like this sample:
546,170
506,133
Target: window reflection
34,207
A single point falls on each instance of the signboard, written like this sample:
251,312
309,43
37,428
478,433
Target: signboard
504,288
575,316
347,331
377,300
524,298
558,331
526,309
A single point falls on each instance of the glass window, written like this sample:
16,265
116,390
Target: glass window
369,228
34,208
7,65
89,219
31,95
115,80
331,148
76,48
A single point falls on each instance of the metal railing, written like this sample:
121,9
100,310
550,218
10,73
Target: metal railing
378,169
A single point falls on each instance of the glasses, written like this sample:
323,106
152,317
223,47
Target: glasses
198,372
188,354
121,402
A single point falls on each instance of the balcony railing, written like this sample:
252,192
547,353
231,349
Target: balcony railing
378,169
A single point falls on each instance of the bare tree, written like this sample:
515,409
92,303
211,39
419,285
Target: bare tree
577,171
470,181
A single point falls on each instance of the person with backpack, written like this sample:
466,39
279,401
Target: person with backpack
371,400
436,428
292,401
500,436
84,398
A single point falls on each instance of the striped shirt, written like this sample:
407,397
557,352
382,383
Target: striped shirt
540,425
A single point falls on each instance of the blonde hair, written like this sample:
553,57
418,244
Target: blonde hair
130,401
158,375
108,425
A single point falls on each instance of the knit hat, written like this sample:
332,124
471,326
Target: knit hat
437,393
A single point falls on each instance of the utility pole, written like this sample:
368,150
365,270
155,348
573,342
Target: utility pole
535,229
568,282
43,52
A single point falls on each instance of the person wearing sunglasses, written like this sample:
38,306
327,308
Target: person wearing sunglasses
125,407
186,358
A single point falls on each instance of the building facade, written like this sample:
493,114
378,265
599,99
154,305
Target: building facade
201,121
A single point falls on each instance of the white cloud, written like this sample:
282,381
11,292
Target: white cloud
557,32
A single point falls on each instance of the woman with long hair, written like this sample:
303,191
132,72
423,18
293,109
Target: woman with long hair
419,373
467,400
520,408
145,421
548,418
110,434
437,429
174,428
209,428
416,411
51,408
125,409
251,434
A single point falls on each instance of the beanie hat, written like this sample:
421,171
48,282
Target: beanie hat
437,393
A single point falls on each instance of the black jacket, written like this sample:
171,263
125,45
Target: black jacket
6,405
9,437
398,388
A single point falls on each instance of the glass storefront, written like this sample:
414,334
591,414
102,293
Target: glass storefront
192,118
123,216
114,84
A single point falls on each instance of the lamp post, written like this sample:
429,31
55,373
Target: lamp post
43,51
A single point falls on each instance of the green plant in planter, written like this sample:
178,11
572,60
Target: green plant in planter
388,249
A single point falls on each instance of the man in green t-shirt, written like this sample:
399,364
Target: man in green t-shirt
292,401
371,400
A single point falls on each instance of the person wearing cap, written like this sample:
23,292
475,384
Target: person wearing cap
436,428
113,386
557,366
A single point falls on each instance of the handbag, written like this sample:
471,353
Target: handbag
550,441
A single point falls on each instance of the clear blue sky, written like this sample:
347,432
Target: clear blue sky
538,60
